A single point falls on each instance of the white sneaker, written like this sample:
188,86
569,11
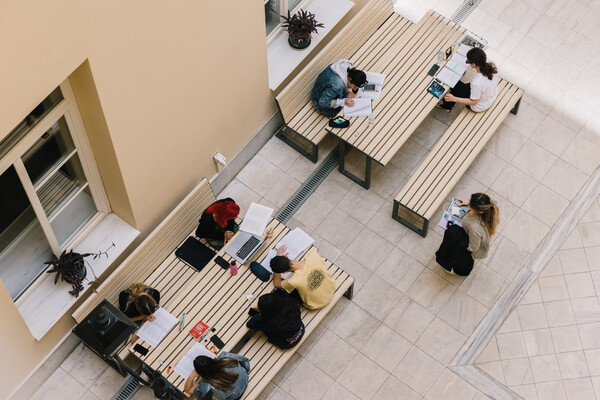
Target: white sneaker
448,272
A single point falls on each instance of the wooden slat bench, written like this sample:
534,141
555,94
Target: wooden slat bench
304,126
435,177
154,261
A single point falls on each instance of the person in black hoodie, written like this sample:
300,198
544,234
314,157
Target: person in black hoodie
217,223
279,318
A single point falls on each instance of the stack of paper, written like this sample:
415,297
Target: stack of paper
256,219
361,108
185,367
153,332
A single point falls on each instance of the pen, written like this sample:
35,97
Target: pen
181,322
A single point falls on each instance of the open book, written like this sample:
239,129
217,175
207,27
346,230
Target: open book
153,332
375,79
454,69
185,367
296,241
256,219
361,108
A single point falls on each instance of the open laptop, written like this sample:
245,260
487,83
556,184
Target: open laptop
250,237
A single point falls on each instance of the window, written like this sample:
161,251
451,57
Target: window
50,189
275,8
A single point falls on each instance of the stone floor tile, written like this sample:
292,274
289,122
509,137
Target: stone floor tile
143,394
360,274
335,187
259,175
553,136
533,294
314,210
382,223
591,129
588,25
494,8
566,338
533,160
418,370
462,312
573,241
242,194
311,340
520,15
108,384
363,377
386,347
592,255
354,325
386,181
589,335
393,389
369,249
532,316
548,31
409,319
331,354
514,184
281,394
449,385
400,270
409,156
456,280
296,386
378,297
590,233
579,388
301,168
335,312
511,345
511,324
279,153
339,228
441,341
564,179
59,386
592,214
574,114
578,89
560,71
553,288
559,313
361,204
428,133
553,267
467,185
538,342
421,248
517,371
527,119
551,390
337,391
569,11
486,167
326,249
580,285
526,230
572,365
506,143
505,257
586,310
527,392
582,154
431,291
545,368
545,204
490,352
592,358
282,190
493,369
84,365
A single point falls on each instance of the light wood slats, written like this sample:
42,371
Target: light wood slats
454,152
153,250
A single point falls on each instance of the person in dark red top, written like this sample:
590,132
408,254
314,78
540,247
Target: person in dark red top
217,224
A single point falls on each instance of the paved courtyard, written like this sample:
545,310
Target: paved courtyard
408,320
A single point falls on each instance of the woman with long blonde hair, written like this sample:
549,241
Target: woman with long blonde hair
139,302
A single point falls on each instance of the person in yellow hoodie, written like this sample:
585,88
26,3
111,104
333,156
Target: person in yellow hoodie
310,279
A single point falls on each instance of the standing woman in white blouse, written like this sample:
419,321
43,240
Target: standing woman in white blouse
480,94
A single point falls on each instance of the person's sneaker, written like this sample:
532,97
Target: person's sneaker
443,108
448,272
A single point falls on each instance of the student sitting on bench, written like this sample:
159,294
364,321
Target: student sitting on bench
279,318
139,302
226,375
336,85
310,279
217,224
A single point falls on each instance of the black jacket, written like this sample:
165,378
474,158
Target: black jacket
209,229
453,253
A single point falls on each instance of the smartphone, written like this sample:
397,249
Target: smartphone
222,262
217,341
369,87
252,312
434,68
140,349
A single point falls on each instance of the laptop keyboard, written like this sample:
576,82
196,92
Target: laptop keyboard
247,247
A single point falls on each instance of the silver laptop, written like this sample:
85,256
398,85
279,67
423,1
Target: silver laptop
244,246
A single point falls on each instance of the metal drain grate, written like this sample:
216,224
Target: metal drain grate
308,187
129,388
463,12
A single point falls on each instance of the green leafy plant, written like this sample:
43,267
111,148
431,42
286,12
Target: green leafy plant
301,24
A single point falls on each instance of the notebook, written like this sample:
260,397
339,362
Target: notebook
153,332
194,253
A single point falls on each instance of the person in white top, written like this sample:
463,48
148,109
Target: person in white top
480,94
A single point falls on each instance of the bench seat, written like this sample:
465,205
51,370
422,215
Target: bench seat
453,153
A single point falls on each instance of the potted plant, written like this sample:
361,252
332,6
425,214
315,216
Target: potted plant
300,26
70,267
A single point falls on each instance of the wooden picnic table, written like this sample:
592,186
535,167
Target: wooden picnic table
405,57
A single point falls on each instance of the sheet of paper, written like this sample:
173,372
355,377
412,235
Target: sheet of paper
296,241
361,108
153,332
374,77
463,49
457,64
448,76
256,219
185,367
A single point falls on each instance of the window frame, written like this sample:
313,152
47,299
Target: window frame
68,109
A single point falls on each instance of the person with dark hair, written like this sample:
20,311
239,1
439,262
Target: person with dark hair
310,279
217,223
480,94
279,318
226,375
335,87
139,302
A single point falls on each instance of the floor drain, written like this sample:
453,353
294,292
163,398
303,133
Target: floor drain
128,389
463,12
308,187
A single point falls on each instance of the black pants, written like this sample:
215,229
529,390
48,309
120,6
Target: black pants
460,90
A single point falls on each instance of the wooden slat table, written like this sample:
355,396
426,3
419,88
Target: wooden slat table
405,58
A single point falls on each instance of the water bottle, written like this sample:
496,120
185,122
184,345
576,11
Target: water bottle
372,119
233,268
440,57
